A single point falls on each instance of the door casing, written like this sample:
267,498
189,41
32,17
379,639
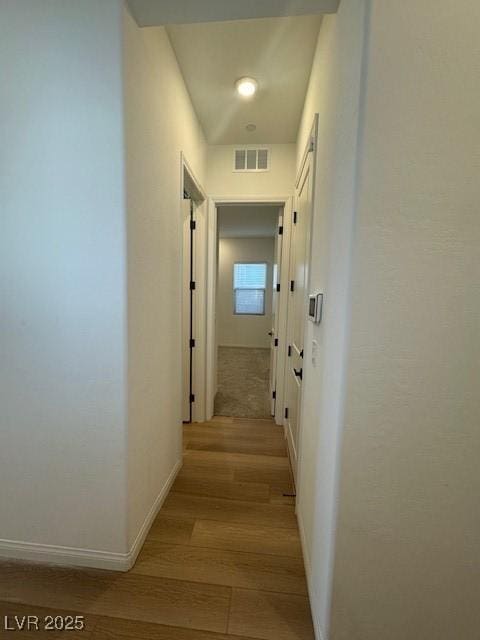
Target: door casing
197,330
297,309
276,292
284,202
308,156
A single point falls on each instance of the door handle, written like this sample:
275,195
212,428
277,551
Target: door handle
298,373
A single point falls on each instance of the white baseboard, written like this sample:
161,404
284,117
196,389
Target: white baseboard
317,627
151,515
67,556
74,556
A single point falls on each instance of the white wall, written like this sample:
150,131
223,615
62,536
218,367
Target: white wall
278,181
333,92
75,102
160,123
239,330
408,542
62,282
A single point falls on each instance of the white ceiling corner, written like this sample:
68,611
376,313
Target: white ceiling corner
277,52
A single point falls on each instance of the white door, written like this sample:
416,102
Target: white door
297,307
277,261
188,309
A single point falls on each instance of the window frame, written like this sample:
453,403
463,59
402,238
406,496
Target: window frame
235,289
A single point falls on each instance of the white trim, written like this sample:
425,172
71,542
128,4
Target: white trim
248,200
312,594
310,146
200,195
211,295
245,346
151,515
291,450
69,556
78,557
213,203
282,311
200,200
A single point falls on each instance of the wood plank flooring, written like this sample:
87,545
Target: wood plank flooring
222,560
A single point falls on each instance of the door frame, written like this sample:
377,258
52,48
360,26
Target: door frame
286,203
190,183
276,292
311,146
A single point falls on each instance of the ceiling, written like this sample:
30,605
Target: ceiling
277,52
150,13
247,221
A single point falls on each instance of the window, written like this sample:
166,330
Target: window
249,282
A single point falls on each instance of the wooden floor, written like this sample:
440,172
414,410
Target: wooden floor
222,560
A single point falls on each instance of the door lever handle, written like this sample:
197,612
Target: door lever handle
298,373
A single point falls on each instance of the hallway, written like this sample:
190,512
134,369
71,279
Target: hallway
222,557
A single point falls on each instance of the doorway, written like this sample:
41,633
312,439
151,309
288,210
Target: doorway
193,348
297,307
247,314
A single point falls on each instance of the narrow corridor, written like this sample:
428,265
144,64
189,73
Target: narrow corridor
222,557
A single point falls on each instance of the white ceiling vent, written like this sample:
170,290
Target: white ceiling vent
248,159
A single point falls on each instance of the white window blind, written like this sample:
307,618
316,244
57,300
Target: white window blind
249,283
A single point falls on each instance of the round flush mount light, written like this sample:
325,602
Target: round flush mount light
246,87
251,127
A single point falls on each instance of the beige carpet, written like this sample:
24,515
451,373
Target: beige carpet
243,380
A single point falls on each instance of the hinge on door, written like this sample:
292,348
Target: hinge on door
274,394
193,225
192,397
275,342
295,217
280,230
292,285
289,350
192,285
286,412
192,342
278,286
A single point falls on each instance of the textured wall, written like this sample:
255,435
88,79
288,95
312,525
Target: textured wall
333,93
278,181
62,279
408,545
159,124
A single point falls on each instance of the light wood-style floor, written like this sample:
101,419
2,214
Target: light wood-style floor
221,562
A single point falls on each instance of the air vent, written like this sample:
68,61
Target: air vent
249,159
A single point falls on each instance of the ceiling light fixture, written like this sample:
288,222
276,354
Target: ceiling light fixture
246,87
